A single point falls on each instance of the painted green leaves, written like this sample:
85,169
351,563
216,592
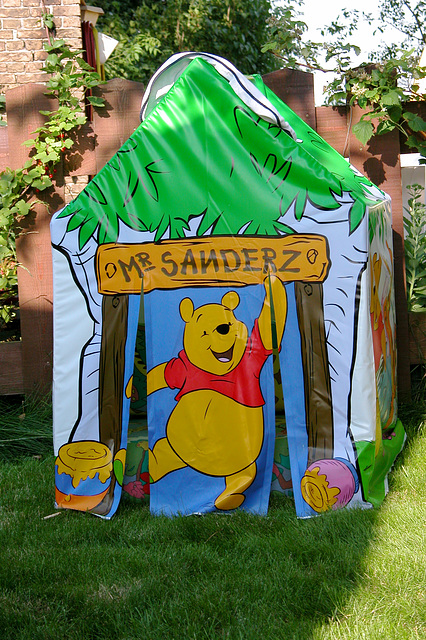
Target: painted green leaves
203,162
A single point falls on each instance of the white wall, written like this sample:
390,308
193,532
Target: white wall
411,173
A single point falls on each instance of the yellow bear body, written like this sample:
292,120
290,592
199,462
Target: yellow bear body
226,437
209,430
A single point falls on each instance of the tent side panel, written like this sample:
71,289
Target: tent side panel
379,161
389,435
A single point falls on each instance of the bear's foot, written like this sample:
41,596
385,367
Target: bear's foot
227,502
232,497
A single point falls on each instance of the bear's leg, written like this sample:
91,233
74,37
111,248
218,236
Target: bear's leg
163,460
232,497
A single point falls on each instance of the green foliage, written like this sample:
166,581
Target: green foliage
288,44
384,88
363,130
149,32
11,209
407,17
68,76
385,91
415,249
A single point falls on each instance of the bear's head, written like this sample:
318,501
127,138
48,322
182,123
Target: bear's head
214,340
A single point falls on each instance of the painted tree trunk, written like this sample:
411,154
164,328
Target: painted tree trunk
111,374
319,413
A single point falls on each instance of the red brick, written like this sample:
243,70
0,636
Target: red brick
21,56
40,55
75,44
14,45
23,78
14,12
70,10
33,45
7,78
11,3
11,23
71,21
6,34
31,23
69,33
36,65
35,12
14,67
39,34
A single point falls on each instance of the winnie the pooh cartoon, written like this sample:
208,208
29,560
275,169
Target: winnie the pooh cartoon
217,426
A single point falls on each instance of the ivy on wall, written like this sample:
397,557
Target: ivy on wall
68,79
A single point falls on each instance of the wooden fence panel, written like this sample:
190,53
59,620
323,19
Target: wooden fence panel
11,379
296,89
33,244
4,148
31,361
332,125
118,119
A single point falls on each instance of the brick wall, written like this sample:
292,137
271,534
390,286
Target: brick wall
22,37
21,48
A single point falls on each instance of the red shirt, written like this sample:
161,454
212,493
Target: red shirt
242,383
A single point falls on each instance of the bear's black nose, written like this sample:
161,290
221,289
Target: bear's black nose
223,329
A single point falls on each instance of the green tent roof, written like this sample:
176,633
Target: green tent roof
202,154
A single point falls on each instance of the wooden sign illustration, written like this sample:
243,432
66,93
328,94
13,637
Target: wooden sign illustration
231,261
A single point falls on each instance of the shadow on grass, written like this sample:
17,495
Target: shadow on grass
25,427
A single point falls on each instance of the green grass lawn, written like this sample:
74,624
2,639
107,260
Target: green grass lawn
348,574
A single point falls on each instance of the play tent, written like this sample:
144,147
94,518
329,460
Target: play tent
226,283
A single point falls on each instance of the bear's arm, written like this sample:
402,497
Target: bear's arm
275,286
155,379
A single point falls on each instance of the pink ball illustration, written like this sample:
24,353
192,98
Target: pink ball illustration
329,484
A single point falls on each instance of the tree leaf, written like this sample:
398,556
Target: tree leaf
95,101
415,122
391,98
23,207
363,131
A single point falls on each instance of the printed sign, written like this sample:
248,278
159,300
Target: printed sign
120,268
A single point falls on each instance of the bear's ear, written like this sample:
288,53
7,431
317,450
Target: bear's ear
231,300
186,309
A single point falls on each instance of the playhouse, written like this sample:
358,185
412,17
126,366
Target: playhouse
224,317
